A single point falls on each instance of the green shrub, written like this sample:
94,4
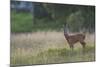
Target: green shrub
21,22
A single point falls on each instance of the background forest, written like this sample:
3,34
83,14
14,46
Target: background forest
46,16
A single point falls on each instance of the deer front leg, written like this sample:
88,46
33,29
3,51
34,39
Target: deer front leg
71,46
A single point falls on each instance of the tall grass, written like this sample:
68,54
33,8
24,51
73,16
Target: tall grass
48,47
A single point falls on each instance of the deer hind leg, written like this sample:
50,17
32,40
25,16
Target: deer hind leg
83,44
72,48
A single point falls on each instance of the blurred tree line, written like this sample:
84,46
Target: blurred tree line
77,17
52,16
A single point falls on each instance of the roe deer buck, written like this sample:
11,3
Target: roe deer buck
72,39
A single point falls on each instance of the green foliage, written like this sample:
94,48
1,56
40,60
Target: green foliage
21,22
78,17
75,20
89,18
53,16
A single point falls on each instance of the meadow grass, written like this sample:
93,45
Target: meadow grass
48,47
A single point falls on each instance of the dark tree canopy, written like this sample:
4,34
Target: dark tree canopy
52,16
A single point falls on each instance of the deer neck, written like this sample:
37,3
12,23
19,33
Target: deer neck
65,32
65,29
66,35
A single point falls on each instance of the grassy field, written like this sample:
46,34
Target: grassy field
48,47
